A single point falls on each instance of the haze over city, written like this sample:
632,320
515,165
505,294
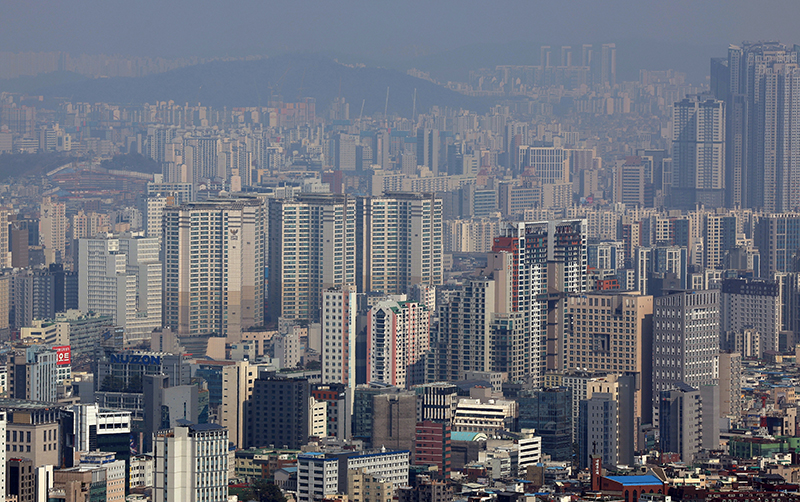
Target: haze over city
399,251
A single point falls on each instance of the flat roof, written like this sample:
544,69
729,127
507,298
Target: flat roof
642,480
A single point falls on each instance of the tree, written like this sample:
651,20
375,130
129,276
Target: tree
264,491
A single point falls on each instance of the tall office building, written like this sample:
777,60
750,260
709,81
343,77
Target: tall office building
338,324
312,247
400,242
698,152
598,429
344,154
685,340
121,277
608,65
214,266
681,421
191,464
611,332
52,229
759,84
278,412
549,412
398,338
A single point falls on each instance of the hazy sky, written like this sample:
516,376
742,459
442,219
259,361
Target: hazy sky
377,28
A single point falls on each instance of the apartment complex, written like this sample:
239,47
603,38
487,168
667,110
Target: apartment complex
214,266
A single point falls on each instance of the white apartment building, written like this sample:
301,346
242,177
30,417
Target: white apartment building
402,242
191,464
338,322
214,266
312,247
121,277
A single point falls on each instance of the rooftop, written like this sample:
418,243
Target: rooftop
643,480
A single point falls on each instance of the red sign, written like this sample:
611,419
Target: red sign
64,353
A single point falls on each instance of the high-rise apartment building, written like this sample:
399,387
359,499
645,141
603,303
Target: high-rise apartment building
698,152
121,277
237,387
753,304
338,324
547,258
52,229
685,339
777,236
214,266
400,242
759,84
312,247
191,464
398,338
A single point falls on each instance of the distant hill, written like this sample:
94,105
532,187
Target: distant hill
30,84
251,83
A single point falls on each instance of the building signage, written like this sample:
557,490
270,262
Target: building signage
135,359
63,354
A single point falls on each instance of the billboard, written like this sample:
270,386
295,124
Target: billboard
64,353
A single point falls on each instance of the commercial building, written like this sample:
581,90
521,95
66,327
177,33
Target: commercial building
33,374
681,421
237,387
432,446
685,340
191,464
598,429
278,412
549,413
33,430
120,377
214,266
322,474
